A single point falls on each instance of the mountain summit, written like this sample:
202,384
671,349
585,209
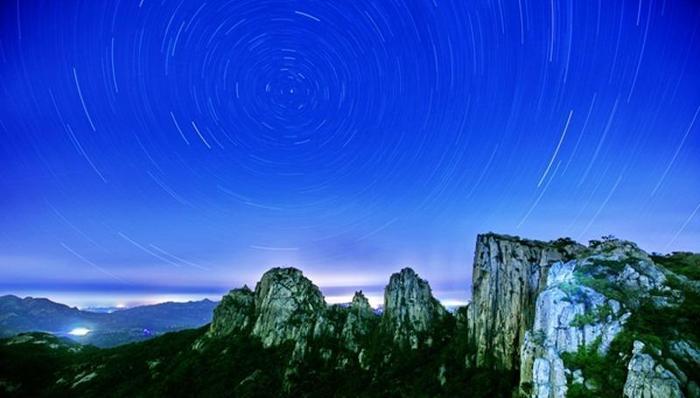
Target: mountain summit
410,310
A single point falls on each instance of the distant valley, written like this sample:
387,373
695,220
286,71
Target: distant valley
105,328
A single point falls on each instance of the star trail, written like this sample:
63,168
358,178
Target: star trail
182,147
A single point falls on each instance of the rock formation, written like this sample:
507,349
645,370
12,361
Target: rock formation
410,310
358,322
235,312
646,378
585,305
287,305
508,274
546,309
561,326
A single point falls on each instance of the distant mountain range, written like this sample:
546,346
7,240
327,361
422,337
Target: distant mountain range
106,328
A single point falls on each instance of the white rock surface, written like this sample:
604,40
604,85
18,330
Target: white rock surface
509,273
562,303
647,379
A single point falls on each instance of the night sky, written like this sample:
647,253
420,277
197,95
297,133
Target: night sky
158,149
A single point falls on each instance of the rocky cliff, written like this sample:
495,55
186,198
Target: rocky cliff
410,310
562,312
596,321
235,312
508,274
286,307
613,307
358,323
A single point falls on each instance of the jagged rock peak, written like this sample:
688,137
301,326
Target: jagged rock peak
410,309
509,273
235,312
287,305
358,323
359,302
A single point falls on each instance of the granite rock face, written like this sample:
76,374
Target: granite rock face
586,303
686,351
358,322
544,309
648,379
235,312
509,273
410,310
567,316
287,305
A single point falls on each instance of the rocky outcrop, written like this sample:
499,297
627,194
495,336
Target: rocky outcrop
509,273
541,309
287,305
612,288
648,379
686,351
235,313
568,316
358,322
410,310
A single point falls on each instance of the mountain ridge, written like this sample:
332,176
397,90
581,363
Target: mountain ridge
30,314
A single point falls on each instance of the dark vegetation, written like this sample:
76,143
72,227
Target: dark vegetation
20,315
682,263
606,373
597,315
239,366
27,369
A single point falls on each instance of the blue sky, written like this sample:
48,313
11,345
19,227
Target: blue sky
184,148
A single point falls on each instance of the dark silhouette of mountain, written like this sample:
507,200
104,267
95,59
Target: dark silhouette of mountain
20,315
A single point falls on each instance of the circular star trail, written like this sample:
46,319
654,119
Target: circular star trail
199,143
